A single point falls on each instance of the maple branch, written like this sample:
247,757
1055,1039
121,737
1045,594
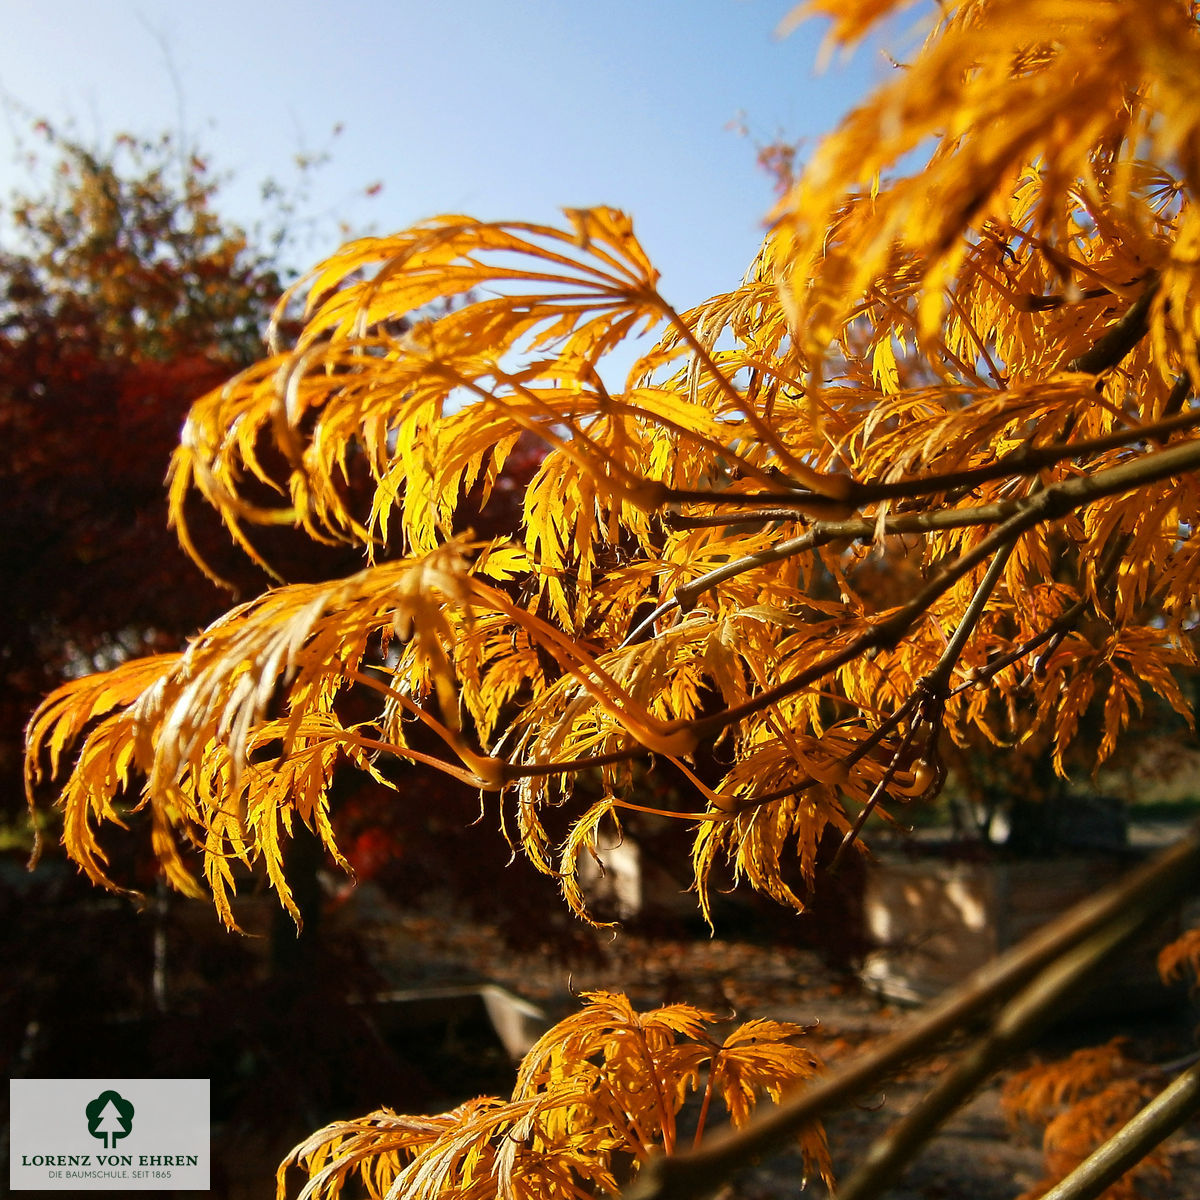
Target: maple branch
1025,460
821,534
793,499
855,831
1055,629
932,689
1120,338
1148,890
678,520
1047,505
937,680
1022,1019
1179,393
530,770
1133,1141
1106,353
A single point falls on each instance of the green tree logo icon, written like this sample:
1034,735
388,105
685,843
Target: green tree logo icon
109,1116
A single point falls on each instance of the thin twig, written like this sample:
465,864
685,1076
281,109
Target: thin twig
931,689
758,516
821,534
938,679
1059,626
855,831
1119,338
1026,460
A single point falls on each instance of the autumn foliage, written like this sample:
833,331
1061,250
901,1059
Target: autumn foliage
1081,1102
926,479
595,1097
123,298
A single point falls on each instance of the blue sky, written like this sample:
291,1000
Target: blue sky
500,110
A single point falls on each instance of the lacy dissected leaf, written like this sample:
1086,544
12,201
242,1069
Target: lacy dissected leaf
376,1147
1082,1101
595,1098
1074,1134
63,716
377,363
760,1056
426,355
633,1066
96,712
1000,86
1040,1091
1180,957
242,733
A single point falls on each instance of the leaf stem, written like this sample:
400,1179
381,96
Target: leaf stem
706,1100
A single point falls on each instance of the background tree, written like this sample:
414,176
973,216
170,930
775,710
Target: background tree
971,328
126,296
123,297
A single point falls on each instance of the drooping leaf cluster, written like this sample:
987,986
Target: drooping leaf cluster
926,478
595,1097
1081,1101
124,296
